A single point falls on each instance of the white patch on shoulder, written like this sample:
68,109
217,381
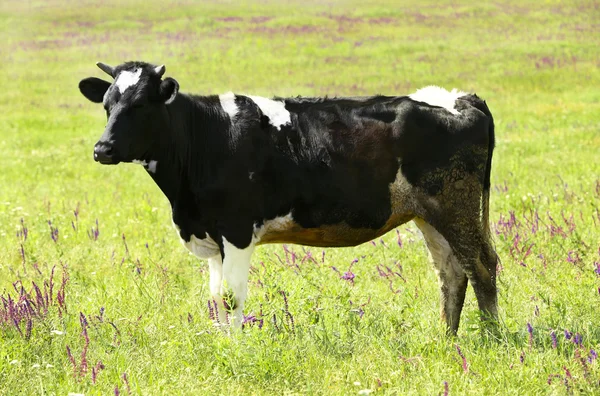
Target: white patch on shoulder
150,166
280,223
274,109
127,79
228,104
203,248
438,96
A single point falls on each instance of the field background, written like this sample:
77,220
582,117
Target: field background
125,310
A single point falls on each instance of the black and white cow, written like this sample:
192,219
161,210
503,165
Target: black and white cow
240,171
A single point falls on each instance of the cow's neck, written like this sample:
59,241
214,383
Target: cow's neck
183,161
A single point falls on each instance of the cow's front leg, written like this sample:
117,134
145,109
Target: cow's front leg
215,266
234,287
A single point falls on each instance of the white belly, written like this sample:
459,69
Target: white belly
203,248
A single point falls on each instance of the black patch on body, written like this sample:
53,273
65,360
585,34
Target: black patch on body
333,164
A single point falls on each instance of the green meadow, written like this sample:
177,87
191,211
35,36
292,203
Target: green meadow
98,296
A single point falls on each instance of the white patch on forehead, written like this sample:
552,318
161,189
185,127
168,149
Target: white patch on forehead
127,79
228,104
438,96
274,109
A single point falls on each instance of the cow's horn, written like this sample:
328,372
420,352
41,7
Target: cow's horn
160,70
106,69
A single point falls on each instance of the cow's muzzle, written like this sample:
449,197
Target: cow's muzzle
105,154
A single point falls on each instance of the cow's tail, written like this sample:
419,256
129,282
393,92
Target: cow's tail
485,198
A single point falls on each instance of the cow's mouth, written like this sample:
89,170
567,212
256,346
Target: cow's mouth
105,157
108,161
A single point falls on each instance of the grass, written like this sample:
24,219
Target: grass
129,302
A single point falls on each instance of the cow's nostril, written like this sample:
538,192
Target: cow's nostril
104,154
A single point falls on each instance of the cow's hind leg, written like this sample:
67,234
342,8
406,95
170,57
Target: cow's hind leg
452,278
475,253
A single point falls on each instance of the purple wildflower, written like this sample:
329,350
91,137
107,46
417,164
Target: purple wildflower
274,320
522,357
22,234
287,311
261,321
249,320
567,334
530,331
577,339
83,366
94,232
348,276
597,270
465,366
399,240
446,391
593,356
126,381
125,243
53,232
72,360
554,340
360,312
28,327
573,257
96,370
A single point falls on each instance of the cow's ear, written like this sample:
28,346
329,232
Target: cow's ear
168,89
93,88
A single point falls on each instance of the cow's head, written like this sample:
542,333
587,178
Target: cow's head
135,105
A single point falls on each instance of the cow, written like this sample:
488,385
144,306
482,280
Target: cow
241,171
